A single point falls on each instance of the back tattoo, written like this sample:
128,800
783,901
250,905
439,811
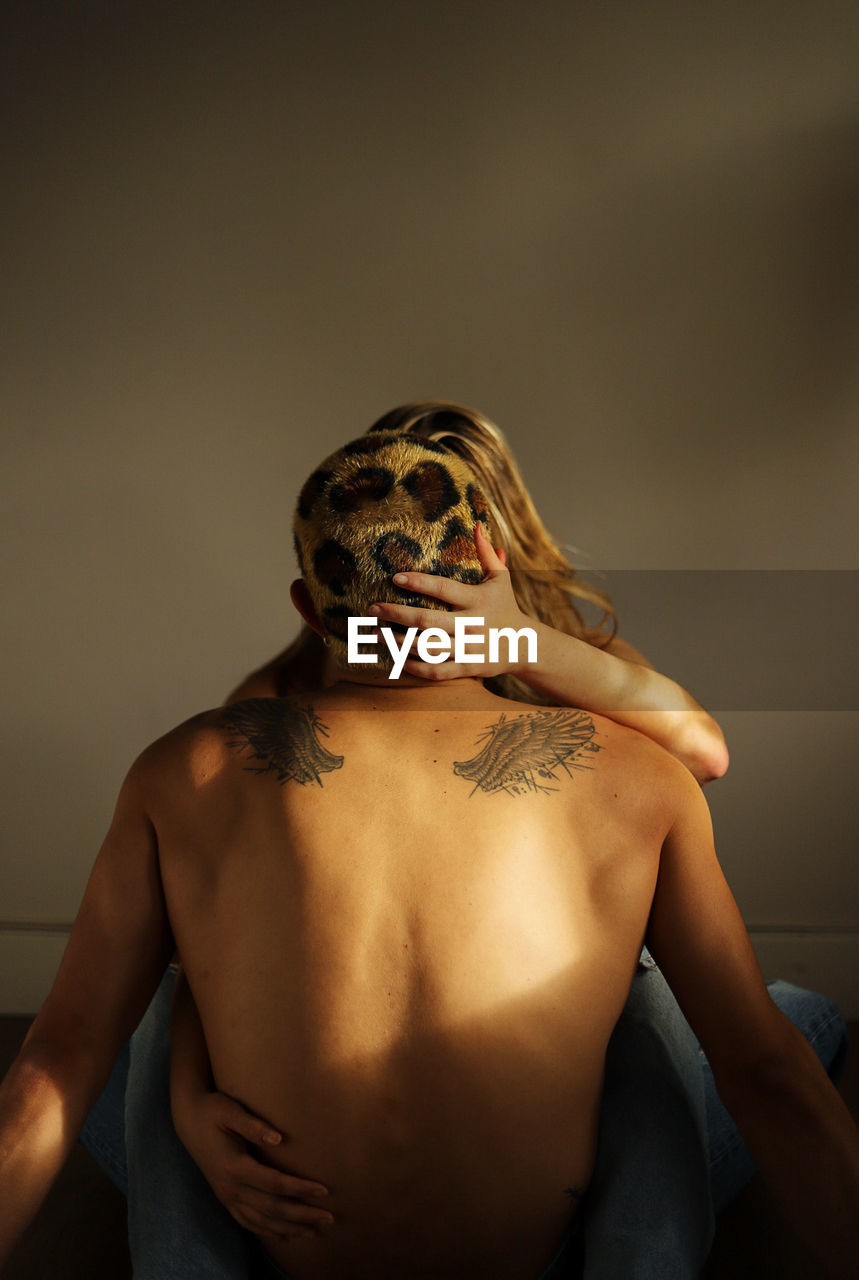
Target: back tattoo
519,756
520,752
282,736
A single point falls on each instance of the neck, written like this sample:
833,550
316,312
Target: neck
366,688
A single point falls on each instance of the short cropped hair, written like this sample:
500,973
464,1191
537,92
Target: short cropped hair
381,505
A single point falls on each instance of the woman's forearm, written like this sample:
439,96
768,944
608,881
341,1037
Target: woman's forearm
628,691
572,671
567,669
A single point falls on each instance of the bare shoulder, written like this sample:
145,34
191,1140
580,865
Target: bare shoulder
649,775
283,737
189,752
622,747
534,748
632,767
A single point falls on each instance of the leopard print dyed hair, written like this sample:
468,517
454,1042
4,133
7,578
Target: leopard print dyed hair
380,505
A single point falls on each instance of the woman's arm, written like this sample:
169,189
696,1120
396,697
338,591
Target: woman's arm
220,1136
616,681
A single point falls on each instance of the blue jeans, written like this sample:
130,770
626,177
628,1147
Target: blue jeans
668,1149
649,1208
177,1229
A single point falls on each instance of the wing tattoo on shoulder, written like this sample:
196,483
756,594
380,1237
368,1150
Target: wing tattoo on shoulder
282,736
524,755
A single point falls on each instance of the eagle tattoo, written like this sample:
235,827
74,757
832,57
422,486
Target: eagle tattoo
282,736
520,753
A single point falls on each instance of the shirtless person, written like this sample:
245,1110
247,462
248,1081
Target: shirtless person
409,915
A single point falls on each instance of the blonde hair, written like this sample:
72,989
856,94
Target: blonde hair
545,584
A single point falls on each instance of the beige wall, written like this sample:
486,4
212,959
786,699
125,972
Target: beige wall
626,232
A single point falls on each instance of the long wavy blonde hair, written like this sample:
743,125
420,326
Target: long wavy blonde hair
544,582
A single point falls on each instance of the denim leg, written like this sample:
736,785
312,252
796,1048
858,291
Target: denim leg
103,1133
177,1229
649,1215
820,1021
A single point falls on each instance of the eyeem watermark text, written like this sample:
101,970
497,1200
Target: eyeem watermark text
433,644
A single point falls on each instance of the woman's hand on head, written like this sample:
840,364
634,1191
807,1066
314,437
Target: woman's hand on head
492,600
220,1135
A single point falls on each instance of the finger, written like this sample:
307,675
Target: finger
411,616
257,1225
446,670
487,554
236,1119
502,555
252,1224
256,1222
261,1177
433,584
278,1212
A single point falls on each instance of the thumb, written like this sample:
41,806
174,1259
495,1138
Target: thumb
488,556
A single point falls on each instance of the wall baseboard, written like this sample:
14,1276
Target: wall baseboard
825,961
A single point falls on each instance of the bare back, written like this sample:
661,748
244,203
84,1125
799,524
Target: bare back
409,933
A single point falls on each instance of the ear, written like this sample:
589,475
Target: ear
300,597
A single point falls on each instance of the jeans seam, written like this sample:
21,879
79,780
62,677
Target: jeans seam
824,1026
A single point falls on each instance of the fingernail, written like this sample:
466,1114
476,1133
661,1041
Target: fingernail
374,609
399,577
271,1137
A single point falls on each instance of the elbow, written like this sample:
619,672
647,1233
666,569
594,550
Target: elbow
774,1063
714,765
709,755
746,1083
